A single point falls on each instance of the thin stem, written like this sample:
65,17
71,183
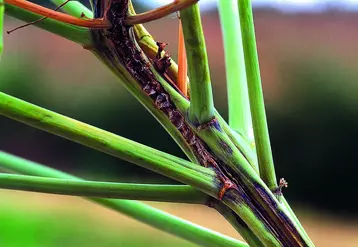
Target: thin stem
201,98
238,224
168,165
38,9
137,210
262,139
2,7
74,8
238,97
79,35
160,12
144,192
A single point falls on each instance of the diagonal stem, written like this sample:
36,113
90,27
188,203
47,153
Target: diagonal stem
38,9
75,8
168,165
79,35
137,210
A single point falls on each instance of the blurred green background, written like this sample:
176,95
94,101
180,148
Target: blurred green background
309,71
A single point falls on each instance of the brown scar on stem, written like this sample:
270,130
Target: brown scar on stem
159,12
212,122
228,184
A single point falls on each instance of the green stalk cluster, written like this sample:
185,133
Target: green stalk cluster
228,149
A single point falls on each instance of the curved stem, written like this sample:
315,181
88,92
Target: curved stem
238,97
137,210
144,192
159,12
257,105
38,9
79,35
201,98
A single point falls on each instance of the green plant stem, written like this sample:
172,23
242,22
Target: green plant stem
2,9
76,34
238,224
238,97
144,192
262,139
137,210
201,98
168,165
74,8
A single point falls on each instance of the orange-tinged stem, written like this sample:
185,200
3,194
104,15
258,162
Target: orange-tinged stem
159,12
37,9
182,63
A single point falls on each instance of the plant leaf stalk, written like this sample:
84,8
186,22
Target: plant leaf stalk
201,109
137,210
257,105
149,158
144,192
74,8
76,34
238,97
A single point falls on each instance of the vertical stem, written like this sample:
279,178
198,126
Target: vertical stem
238,97
262,139
201,98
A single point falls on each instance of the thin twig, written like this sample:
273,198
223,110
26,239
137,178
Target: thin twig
159,12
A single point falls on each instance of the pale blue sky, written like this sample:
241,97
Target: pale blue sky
283,5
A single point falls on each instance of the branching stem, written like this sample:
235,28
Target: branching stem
158,13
